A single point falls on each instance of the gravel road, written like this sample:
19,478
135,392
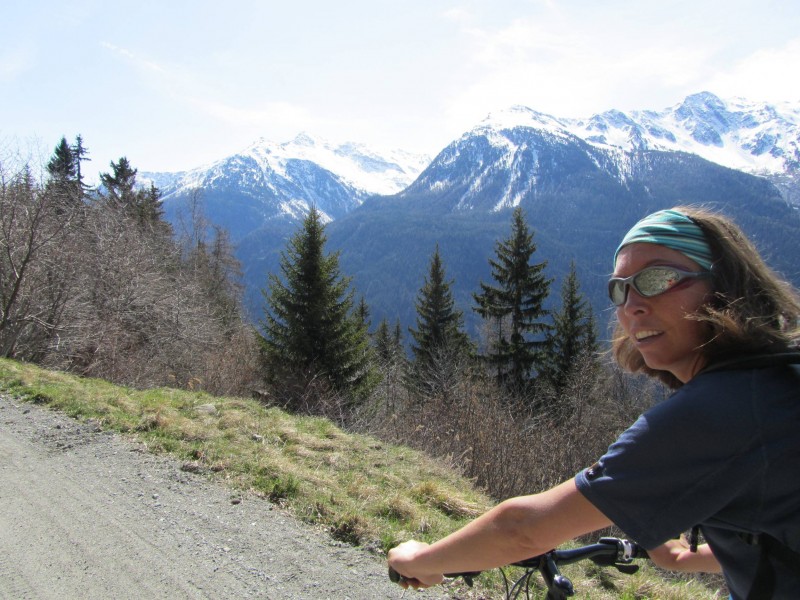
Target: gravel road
89,514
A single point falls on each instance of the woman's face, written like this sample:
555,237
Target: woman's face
657,326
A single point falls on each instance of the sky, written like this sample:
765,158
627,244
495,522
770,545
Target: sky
177,84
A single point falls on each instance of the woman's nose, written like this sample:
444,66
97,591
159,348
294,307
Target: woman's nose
634,302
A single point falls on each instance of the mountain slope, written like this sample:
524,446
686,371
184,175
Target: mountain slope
578,200
582,183
274,185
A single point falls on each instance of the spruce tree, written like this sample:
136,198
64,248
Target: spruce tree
388,343
311,328
62,163
120,183
62,168
439,335
80,154
573,337
515,305
143,205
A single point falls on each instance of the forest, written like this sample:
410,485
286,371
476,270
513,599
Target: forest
94,281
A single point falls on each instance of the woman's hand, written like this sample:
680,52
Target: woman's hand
401,559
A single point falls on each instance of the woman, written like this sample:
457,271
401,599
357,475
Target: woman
695,303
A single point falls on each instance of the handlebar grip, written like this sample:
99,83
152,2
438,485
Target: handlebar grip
394,576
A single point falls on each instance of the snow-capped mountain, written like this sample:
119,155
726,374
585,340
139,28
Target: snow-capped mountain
581,183
281,181
756,138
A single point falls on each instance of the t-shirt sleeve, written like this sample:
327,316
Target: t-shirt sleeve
677,465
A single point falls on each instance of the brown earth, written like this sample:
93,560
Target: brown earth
89,514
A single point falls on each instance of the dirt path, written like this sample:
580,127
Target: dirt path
88,514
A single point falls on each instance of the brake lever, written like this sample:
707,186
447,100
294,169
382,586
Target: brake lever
627,569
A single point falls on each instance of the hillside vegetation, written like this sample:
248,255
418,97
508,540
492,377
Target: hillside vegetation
362,490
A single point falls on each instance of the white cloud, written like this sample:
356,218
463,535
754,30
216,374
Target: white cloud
766,74
134,59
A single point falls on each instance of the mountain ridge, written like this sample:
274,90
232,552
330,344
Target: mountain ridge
581,182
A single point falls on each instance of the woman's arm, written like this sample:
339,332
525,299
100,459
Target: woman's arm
675,555
514,530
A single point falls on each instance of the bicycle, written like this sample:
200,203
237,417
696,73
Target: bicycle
607,552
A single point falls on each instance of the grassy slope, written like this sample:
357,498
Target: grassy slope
362,490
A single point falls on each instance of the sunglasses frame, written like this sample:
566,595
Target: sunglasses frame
630,282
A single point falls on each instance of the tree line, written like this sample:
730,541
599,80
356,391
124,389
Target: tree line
314,332
96,282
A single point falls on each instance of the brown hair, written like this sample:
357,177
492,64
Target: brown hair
752,309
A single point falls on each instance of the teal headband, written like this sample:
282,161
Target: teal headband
672,229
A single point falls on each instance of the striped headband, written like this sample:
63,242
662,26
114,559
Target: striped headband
672,229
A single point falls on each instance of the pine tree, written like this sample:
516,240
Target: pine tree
516,307
144,205
573,337
62,168
120,183
62,163
388,343
439,335
80,154
311,329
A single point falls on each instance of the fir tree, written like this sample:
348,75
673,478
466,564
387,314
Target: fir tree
573,337
144,205
80,154
516,307
62,163
311,329
63,171
439,334
120,183
388,343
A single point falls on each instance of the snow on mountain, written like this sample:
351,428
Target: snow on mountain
757,138
496,158
370,170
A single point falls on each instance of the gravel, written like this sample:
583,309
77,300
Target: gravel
88,514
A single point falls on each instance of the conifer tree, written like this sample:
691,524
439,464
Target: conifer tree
439,331
80,154
63,171
62,163
388,343
120,183
311,328
516,306
573,336
144,205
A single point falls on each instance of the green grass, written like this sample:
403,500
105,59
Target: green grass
361,489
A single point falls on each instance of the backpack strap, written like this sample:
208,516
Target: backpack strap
771,549
755,361
763,586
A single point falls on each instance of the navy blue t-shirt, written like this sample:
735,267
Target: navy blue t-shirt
722,452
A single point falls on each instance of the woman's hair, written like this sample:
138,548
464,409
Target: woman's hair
752,310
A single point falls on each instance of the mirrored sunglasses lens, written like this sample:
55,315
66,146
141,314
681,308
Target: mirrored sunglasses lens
652,282
616,291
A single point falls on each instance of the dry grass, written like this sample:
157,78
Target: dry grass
362,490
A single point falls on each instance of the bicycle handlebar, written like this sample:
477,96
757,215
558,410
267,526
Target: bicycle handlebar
608,551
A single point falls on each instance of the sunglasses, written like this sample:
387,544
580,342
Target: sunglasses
650,282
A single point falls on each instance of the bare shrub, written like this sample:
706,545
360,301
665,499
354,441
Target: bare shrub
88,287
502,444
35,273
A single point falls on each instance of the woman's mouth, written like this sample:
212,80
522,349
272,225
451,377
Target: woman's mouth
645,334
